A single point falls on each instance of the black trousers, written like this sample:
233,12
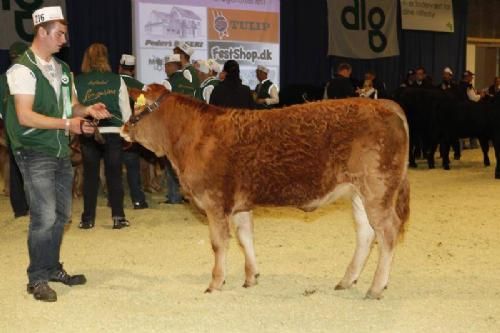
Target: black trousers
16,188
111,152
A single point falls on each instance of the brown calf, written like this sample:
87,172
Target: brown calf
305,156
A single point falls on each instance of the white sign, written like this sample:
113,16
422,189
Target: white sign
363,29
431,15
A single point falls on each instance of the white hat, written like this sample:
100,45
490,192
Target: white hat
203,66
172,58
184,47
46,14
263,69
127,60
448,70
214,65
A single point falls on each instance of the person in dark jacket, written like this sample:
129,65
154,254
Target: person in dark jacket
231,92
341,85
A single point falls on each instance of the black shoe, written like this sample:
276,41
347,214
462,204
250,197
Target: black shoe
120,222
21,214
86,224
141,205
70,280
180,202
42,292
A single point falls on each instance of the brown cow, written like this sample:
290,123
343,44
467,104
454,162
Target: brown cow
305,156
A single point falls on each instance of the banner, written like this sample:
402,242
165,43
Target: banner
243,30
363,29
17,24
432,15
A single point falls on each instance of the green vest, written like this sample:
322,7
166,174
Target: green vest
48,141
262,91
196,81
180,84
131,82
101,87
211,81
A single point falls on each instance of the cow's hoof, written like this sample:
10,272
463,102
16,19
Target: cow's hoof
343,286
446,167
432,166
413,165
374,295
487,163
497,175
252,282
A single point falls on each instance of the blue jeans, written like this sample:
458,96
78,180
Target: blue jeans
133,166
173,187
47,183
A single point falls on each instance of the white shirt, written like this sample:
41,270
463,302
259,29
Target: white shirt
22,81
472,95
273,92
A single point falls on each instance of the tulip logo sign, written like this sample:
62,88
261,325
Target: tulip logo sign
363,29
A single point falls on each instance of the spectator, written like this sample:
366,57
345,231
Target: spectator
98,84
341,86
266,92
207,79
131,155
17,196
231,92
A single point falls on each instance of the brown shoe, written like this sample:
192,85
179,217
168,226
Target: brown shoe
42,292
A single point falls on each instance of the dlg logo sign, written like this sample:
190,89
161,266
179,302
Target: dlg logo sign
372,20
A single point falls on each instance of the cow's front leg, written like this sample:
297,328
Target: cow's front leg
244,231
219,236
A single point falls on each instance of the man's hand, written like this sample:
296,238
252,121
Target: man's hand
77,124
260,101
98,111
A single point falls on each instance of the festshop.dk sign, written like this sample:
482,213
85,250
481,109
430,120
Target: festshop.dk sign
17,23
363,29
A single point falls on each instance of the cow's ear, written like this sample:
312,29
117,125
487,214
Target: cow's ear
134,93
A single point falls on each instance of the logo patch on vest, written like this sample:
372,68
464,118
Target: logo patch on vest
65,79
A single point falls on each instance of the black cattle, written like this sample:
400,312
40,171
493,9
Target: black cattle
437,117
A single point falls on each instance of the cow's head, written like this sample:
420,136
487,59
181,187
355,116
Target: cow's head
138,124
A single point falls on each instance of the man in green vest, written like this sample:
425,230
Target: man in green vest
266,92
207,79
177,83
41,113
185,52
17,196
131,156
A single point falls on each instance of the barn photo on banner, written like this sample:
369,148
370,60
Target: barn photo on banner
363,29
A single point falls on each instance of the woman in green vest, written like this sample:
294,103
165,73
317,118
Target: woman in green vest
98,84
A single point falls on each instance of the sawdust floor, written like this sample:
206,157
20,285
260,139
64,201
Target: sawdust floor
151,277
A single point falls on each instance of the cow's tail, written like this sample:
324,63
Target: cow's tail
403,205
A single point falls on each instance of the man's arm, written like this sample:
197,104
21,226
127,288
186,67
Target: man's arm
274,93
29,118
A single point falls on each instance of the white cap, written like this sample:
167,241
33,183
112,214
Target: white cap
172,58
214,65
448,70
46,14
263,69
203,66
184,47
127,60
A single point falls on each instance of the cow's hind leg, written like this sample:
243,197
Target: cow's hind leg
364,240
386,230
219,237
244,231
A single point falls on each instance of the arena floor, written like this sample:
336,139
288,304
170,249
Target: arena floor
151,277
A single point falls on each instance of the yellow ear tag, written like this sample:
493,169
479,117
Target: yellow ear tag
141,101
